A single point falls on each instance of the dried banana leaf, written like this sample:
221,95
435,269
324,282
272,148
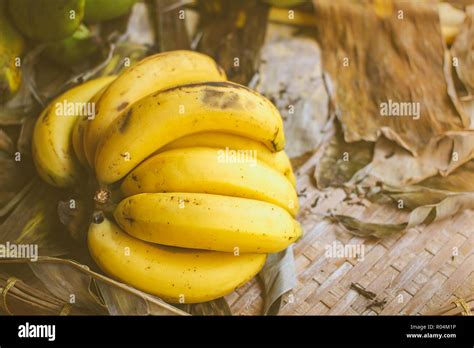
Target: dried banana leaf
462,4
426,214
278,277
463,51
26,295
374,59
23,143
13,177
77,285
461,180
409,197
6,143
430,191
435,198
232,32
341,160
439,197
448,207
34,222
397,167
140,26
298,89
367,229
170,25
451,19
216,307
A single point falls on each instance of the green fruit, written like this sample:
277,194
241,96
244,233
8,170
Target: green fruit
286,3
47,20
74,49
11,47
102,10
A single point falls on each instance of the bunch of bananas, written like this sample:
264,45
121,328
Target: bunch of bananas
206,188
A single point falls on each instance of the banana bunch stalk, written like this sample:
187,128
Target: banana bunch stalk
205,188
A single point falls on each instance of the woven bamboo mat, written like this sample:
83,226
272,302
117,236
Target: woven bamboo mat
415,272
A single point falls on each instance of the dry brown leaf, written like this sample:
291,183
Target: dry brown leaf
341,160
384,62
426,214
451,19
34,221
6,143
367,229
460,180
233,29
408,197
64,278
216,307
297,89
170,34
463,51
397,167
278,277
26,295
13,176
430,191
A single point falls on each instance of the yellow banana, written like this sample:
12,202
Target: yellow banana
166,116
206,221
78,131
77,140
278,160
290,175
53,152
215,171
155,73
174,274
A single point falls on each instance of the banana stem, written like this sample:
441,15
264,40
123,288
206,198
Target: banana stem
104,203
102,196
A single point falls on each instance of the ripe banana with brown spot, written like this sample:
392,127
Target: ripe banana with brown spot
79,128
278,160
210,170
154,73
174,274
207,221
166,116
77,141
53,151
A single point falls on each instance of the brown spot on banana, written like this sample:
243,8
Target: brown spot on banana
125,121
222,100
122,106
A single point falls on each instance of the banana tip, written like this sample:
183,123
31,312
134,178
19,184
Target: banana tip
98,217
